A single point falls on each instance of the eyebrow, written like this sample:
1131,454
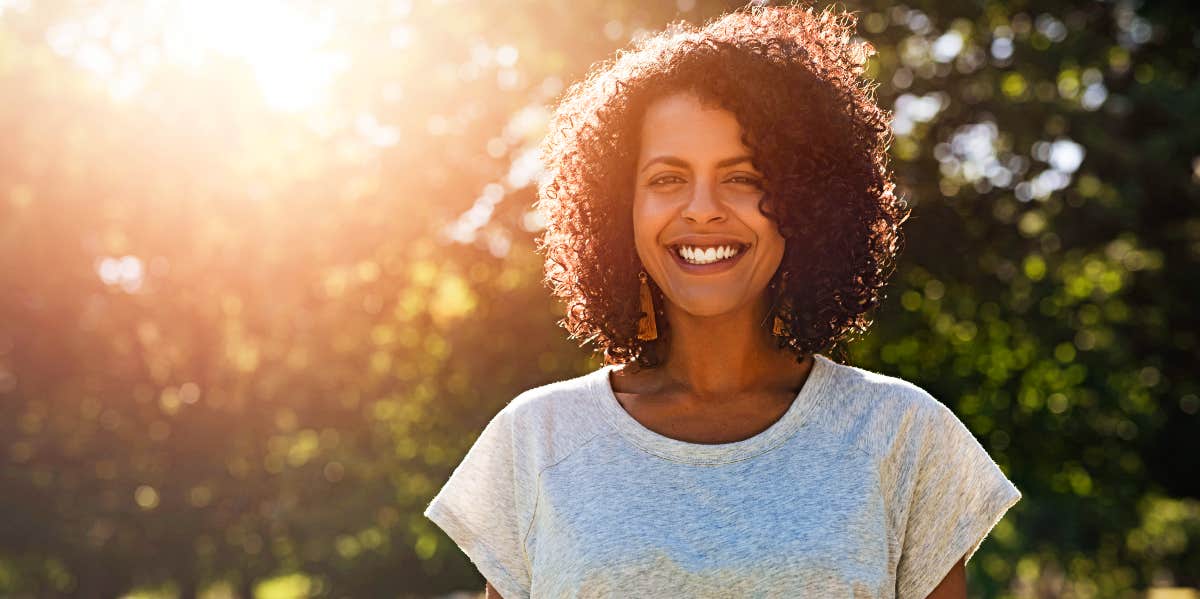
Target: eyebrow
674,161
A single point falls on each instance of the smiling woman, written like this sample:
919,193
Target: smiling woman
816,144
710,182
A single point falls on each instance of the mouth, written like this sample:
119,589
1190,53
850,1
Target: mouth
710,259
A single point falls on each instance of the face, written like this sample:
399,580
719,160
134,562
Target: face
697,192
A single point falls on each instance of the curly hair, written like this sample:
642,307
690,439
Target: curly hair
793,77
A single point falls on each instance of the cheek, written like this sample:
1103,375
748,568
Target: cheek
770,241
649,218
764,228
774,250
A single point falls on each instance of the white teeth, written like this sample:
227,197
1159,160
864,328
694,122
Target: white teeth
708,255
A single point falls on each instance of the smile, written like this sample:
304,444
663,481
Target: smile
707,259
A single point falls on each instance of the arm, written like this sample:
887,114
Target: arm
490,591
953,586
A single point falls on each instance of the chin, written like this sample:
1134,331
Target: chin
708,306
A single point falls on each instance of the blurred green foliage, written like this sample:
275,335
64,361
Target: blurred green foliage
244,339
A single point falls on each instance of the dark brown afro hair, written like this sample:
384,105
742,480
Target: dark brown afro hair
793,78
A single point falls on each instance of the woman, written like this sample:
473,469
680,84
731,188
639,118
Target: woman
720,212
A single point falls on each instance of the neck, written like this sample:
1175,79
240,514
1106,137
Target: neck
727,354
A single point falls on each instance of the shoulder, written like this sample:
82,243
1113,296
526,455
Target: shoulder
857,391
554,400
550,421
875,411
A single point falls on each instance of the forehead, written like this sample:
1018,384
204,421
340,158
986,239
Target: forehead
680,125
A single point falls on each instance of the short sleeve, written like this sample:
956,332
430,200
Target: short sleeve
956,495
480,510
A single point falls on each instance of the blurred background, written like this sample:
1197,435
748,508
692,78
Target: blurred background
267,270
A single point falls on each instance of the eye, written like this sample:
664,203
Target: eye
664,179
748,180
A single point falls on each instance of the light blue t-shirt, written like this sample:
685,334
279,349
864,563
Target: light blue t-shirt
866,487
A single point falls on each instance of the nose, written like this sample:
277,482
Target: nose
703,206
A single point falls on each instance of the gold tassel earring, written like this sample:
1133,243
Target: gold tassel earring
778,327
647,329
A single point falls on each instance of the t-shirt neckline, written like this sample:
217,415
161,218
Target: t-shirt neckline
714,453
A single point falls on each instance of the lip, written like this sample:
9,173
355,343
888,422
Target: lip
706,240
707,269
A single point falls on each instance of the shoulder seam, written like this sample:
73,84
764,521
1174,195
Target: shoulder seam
854,445
537,485
883,490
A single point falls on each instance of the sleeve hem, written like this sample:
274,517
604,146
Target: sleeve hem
485,558
966,543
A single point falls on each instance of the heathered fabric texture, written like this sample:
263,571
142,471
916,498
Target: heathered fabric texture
866,487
